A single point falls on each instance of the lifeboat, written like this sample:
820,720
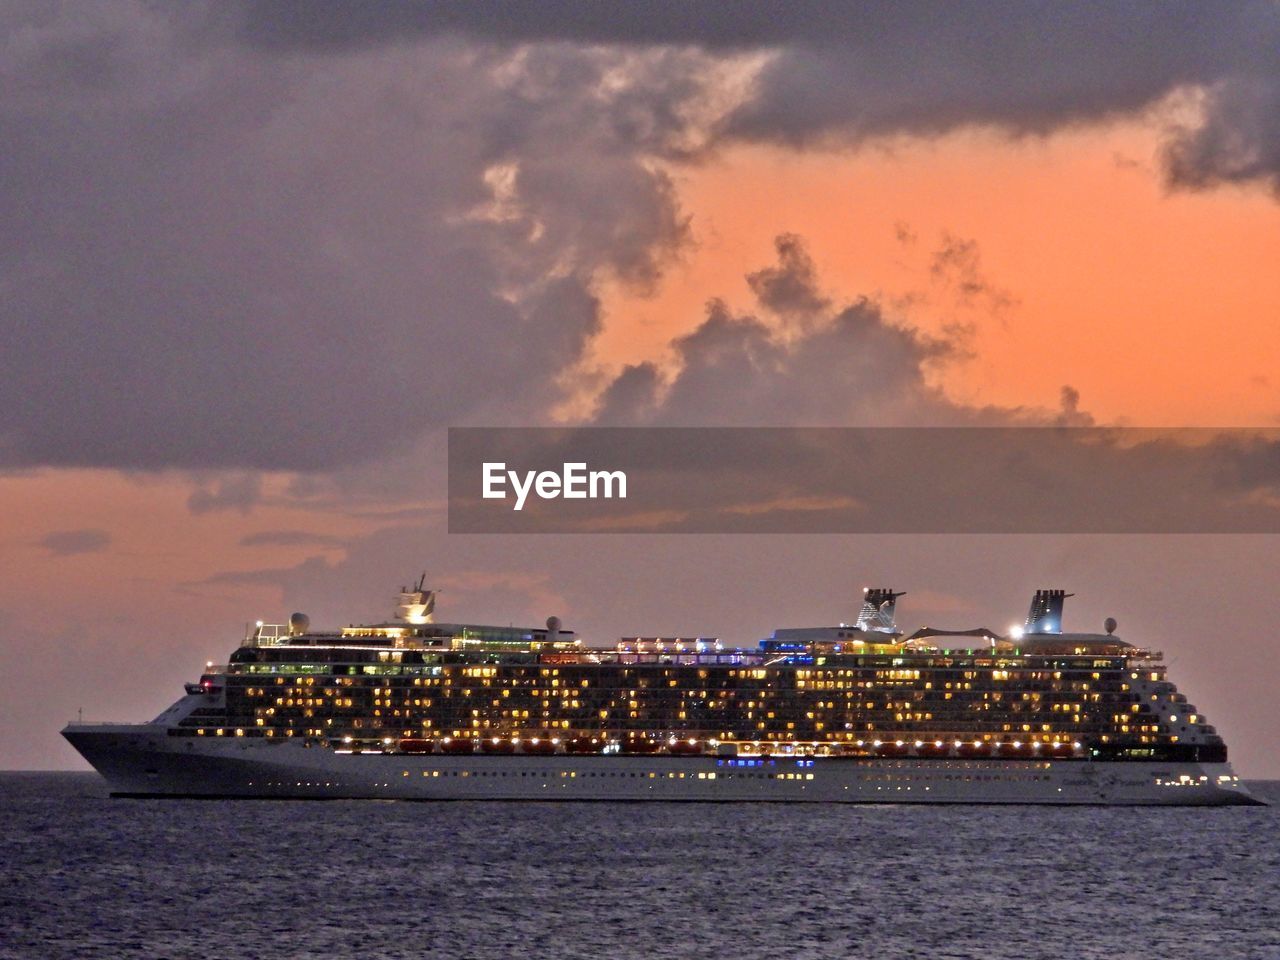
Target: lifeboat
540,746
640,745
934,748
684,748
971,748
497,745
891,748
456,745
584,745
1014,751
415,745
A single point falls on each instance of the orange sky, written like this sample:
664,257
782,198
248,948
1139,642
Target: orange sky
1159,307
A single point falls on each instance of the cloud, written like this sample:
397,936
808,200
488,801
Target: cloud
69,543
957,264
290,538
845,73
238,258
265,236
236,491
1238,140
802,361
791,288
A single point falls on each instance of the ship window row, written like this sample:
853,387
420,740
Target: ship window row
843,725
305,662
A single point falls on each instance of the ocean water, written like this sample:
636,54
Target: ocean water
85,876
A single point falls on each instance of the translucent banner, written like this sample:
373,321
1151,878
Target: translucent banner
863,480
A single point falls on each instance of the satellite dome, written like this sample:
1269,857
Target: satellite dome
1110,625
553,624
299,623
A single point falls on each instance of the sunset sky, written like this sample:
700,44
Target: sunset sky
259,256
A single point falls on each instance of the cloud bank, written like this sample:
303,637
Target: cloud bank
299,237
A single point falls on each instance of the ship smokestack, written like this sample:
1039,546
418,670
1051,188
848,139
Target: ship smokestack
1045,615
878,605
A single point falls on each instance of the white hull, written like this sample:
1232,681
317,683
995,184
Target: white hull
143,760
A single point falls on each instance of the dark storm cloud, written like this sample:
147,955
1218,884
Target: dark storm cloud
221,258
847,71
1239,140
68,543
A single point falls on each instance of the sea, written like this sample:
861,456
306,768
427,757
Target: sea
86,876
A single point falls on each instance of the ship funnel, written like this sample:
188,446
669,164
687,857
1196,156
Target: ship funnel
877,612
1045,615
417,605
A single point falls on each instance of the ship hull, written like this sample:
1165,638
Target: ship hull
143,760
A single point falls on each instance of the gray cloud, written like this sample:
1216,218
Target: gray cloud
228,258
68,543
803,361
957,264
1239,140
845,72
233,491
275,237
290,538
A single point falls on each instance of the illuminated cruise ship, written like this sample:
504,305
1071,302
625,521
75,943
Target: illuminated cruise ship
417,709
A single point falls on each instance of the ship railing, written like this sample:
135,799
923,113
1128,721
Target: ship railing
629,657
262,634
1149,659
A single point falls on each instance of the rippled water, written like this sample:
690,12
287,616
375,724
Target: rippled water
87,876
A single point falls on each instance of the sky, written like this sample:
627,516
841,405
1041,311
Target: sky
258,257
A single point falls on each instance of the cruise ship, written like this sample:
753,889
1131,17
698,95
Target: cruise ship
416,709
